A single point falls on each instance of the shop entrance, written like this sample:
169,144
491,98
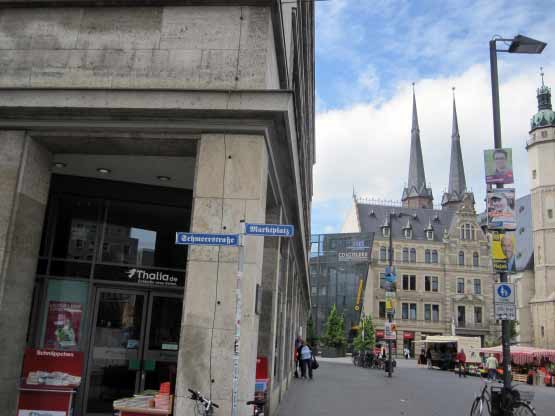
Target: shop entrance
134,345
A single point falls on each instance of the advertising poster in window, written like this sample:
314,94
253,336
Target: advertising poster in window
503,252
501,209
499,166
63,323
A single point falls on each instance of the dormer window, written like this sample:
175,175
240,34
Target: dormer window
430,234
407,232
385,231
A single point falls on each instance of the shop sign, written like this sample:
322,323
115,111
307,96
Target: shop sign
390,330
352,256
140,275
379,333
408,335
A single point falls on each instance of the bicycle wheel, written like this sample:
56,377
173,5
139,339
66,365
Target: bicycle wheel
480,407
523,409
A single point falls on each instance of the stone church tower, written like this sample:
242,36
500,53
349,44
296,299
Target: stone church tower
416,194
541,162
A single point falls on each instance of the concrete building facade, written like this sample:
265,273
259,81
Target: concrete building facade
121,124
441,256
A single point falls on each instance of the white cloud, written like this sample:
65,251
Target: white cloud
367,146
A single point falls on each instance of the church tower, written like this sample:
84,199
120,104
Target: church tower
416,194
456,191
541,162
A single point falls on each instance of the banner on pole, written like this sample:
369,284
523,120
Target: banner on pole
499,166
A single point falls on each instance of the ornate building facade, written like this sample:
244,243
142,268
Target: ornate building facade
441,256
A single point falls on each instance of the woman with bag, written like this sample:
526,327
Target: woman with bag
306,360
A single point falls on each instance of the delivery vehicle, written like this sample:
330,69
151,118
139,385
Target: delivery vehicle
444,349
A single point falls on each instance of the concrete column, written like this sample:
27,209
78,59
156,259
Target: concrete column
24,182
230,185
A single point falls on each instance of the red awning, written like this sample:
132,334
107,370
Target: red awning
408,335
522,355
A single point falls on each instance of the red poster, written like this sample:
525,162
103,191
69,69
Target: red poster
62,325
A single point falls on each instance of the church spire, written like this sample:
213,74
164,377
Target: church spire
416,194
457,181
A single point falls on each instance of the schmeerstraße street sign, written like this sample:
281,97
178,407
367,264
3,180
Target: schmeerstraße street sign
269,230
198,239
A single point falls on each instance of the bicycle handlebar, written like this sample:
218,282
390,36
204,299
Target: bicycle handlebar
195,395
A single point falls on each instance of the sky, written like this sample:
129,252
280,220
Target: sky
369,52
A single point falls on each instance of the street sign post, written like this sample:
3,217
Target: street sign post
201,239
505,312
504,302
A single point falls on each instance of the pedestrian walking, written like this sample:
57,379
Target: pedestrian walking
407,353
429,358
491,365
298,344
461,361
305,355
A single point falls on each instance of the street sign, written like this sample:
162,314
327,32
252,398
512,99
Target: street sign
198,239
270,230
505,311
390,331
504,293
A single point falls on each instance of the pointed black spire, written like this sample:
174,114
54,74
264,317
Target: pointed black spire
457,179
416,187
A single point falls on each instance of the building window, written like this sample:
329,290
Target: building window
407,233
383,254
477,287
413,255
405,311
385,231
534,174
323,290
409,282
381,312
460,285
435,258
477,314
427,312
461,316
314,290
435,313
431,283
405,255
467,232
542,331
550,213
412,315
544,133
427,256
383,282
461,258
430,234
475,259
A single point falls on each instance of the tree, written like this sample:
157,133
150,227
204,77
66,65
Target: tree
335,330
366,329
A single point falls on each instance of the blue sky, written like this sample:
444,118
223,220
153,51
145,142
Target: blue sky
367,55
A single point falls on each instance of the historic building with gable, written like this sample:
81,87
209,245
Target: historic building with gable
441,256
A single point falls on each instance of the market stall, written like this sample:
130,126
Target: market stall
444,348
529,364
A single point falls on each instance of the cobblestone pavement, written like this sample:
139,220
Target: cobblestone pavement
341,389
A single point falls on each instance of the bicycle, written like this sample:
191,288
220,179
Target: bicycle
203,406
258,409
482,402
501,401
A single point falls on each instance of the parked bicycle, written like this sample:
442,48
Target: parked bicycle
503,402
203,406
258,407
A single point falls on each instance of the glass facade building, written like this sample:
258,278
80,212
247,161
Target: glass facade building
338,271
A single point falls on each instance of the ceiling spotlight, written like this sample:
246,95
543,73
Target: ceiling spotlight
164,178
60,165
103,170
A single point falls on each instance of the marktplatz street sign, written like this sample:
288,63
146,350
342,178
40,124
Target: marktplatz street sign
270,230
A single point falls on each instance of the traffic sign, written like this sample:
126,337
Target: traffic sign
270,230
198,239
504,293
505,311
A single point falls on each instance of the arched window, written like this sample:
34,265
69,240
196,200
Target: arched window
435,259
427,256
405,255
475,259
461,258
413,255
383,253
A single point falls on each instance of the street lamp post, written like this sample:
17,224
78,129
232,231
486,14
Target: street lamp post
390,313
519,44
